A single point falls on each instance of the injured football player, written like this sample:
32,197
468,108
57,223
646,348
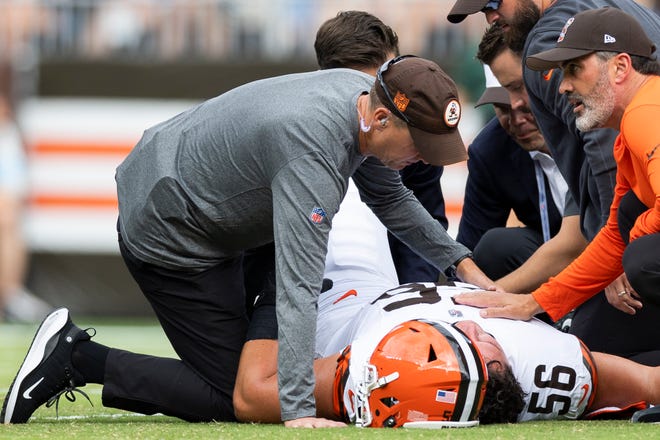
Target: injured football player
510,371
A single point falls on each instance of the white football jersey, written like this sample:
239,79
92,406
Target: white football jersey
358,262
551,366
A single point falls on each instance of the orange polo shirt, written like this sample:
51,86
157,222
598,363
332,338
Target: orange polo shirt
637,154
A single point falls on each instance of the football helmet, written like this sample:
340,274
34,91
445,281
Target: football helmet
421,374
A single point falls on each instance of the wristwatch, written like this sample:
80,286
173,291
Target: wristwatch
451,270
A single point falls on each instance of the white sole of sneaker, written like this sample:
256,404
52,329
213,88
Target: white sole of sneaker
52,324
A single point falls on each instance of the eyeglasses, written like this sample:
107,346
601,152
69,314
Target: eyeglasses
492,5
379,75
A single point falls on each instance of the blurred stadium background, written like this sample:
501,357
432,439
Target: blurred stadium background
88,76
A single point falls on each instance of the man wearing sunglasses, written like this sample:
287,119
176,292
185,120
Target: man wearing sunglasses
267,161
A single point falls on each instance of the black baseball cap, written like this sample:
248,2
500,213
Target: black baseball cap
605,29
463,8
418,91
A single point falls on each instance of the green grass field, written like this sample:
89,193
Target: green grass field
79,420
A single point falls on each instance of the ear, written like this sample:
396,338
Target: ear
381,115
622,65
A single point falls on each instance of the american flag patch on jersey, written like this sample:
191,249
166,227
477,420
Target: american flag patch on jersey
317,215
445,396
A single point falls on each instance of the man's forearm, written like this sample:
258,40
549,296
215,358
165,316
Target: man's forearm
469,272
548,260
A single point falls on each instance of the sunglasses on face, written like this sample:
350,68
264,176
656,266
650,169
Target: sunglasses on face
379,76
492,5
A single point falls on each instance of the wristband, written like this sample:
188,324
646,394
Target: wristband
457,262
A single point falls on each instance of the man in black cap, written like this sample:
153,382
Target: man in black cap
267,161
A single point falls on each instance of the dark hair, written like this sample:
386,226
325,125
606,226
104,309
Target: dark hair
354,39
374,102
504,399
643,65
491,44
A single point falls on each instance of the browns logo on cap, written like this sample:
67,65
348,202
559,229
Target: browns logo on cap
452,113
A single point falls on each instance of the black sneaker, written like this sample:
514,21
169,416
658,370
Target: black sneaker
47,371
648,415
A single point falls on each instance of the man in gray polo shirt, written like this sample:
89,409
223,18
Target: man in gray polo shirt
267,161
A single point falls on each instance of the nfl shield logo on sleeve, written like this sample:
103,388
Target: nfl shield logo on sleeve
317,215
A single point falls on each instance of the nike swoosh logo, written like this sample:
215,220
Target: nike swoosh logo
585,388
351,292
650,155
26,393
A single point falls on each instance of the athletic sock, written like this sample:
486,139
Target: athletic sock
89,358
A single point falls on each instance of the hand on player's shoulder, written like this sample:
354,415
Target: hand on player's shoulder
501,304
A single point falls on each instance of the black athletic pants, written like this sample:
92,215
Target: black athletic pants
500,251
599,325
203,315
605,328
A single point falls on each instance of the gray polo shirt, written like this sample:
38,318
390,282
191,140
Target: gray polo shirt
267,161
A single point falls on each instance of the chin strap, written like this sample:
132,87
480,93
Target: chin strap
369,382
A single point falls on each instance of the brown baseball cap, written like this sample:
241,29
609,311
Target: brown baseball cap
463,8
605,29
422,94
494,93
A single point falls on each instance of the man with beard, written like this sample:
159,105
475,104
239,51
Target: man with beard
611,78
521,258
584,158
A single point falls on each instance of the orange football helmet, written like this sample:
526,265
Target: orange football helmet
422,374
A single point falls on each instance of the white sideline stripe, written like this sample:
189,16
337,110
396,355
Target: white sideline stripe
94,416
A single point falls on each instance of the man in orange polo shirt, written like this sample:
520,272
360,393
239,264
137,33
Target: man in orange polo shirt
612,78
